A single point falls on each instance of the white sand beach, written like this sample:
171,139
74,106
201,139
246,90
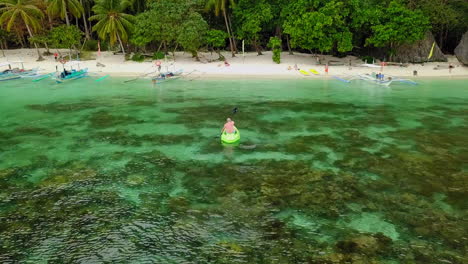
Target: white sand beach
250,66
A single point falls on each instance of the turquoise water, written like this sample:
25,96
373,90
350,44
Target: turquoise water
326,172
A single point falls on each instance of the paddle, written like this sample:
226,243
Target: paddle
102,78
144,75
43,77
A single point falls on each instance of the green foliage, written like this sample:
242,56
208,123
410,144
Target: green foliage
318,25
40,39
275,45
158,55
367,59
399,25
138,57
65,36
251,16
87,55
193,32
91,45
4,34
219,5
216,38
144,30
24,10
112,23
61,8
170,22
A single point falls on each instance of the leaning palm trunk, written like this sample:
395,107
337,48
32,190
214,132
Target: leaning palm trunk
289,45
231,44
67,20
40,58
85,23
234,41
121,44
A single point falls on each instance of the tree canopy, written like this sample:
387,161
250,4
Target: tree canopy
325,26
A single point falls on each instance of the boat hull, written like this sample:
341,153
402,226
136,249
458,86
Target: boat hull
73,76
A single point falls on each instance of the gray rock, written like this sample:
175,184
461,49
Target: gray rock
461,51
419,51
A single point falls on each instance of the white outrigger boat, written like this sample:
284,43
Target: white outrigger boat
373,78
16,73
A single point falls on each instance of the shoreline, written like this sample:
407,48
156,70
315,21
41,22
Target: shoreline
204,76
251,66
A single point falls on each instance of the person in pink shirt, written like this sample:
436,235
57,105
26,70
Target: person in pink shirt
229,126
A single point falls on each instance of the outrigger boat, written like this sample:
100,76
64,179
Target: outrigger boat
72,74
16,73
167,76
372,78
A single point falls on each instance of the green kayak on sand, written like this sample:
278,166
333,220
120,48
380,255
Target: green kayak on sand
230,138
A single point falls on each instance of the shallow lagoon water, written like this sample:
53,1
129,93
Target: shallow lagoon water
326,172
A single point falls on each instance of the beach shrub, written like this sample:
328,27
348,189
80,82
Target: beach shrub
323,29
252,17
87,55
138,57
91,45
158,55
65,37
275,45
216,39
399,25
192,34
367,59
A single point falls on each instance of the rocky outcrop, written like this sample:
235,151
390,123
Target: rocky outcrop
461,51
419,51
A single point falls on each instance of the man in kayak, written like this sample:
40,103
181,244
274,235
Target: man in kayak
229,126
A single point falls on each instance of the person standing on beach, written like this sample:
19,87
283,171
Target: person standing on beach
326,68
55,56
450,67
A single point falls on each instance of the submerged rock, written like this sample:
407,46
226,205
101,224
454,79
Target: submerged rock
373,223
461,51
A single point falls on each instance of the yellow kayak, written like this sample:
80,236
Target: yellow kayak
314,71
304,72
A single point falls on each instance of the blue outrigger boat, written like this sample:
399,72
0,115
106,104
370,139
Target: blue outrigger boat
72,74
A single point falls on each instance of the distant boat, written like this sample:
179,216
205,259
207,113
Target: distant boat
370,65
7,77
16,73
373,79
167,76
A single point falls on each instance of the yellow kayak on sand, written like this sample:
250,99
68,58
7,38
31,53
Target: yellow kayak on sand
314,71
304,72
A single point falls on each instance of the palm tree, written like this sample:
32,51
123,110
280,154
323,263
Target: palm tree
62,7
14,11
112,22
85,22
221,6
